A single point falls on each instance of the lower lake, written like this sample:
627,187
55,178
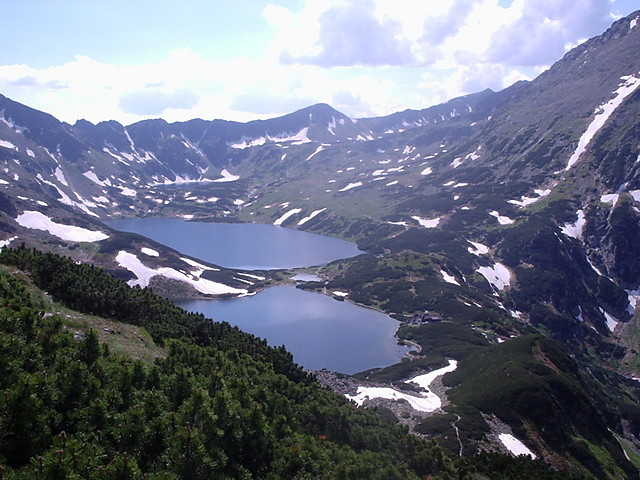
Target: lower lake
318,330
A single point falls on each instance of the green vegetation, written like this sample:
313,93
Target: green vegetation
219,404
530,381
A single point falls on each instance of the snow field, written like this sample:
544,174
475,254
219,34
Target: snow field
498,275
424,402
502,220
515,446
427,222
574,230
603,112
39,221
284,217
144,274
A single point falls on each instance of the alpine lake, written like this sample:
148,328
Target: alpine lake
318,330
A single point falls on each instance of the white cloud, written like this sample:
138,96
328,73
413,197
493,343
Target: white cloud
366,58
153,101
351,34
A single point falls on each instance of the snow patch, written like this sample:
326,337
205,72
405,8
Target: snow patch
313,214
150,252
478,248
198,265
350,186
94,178
71,233
502,220
426,171
634,297
456,162
8,144
227,177
525,201
298,138
498,275
574,230
515,446
4,243
611,198
318,150
424,402
127,192
449,278
603,112
144,274
255,277
612,322
427,222
284,217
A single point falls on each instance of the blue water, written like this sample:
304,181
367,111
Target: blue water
249,246
318,330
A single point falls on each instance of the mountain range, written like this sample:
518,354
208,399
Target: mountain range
513,216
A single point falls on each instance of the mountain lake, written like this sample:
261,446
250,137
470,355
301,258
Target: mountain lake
319,331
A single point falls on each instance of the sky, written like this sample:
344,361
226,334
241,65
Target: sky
132,60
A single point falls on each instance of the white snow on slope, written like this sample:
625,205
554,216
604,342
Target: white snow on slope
610,198
127,192
456,162
39,221
424,402
498,275
525,201
291,212
427,379
150,252
60,177
197,265
427,222
4,243
313,214
633,23
8,144
515,446
144,274
300,137
634,298
502,220
575,229
612,322
603,112
426,171
449,278
478,248
94,178
227,177
350,186
11,124
318,150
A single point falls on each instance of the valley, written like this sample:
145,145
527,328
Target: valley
500,229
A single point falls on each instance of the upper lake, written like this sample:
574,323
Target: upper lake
249,246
